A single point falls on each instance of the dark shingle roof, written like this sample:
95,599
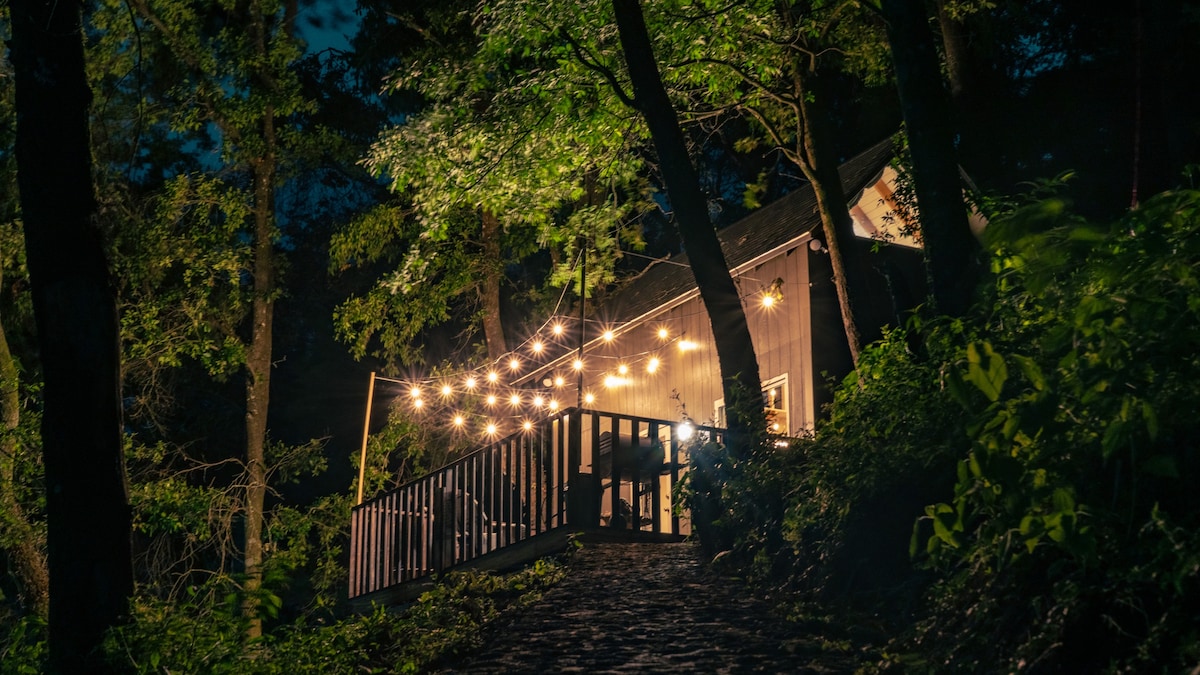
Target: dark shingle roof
764,230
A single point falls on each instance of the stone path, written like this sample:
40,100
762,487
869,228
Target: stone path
648,608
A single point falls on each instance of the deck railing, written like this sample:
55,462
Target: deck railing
579,468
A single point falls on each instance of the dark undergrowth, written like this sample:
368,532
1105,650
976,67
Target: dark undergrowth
1012,491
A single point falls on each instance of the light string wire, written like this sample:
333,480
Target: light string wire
483,386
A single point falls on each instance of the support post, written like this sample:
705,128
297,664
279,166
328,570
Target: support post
362,459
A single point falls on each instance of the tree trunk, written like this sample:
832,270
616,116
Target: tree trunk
87,503
258,388
735,351
818,162
20,540
493,268
950,249
259,353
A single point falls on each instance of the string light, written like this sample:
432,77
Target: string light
542,343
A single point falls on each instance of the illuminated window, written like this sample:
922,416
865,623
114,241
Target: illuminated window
775,405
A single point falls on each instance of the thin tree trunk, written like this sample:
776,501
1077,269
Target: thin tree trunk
818,162
950,249
259,354
89,552
258,389
740,378
493,327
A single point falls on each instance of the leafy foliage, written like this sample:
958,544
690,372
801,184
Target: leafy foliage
1037,456
205,633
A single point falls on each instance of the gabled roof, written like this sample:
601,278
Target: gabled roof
776,225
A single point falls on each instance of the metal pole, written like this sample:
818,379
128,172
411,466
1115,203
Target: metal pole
582,306
362,460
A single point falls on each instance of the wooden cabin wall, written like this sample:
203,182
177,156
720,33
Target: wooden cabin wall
782,337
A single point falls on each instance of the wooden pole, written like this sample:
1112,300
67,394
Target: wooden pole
362,460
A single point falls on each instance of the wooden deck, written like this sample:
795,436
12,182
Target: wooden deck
580,472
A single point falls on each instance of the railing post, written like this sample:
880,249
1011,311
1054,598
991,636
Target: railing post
583,493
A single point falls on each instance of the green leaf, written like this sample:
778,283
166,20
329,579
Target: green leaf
987,371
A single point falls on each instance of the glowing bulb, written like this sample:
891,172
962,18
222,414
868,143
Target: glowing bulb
684,430
537,347
553,404
687,345
514,365
491,399
527,425
491,429
418,403
623,369
470,383
493,377
589,398
663,333
558,329
515,399
652,365
613,381
416,392
768,300
459,421
537,401
559,381
608,336
577,364
446,390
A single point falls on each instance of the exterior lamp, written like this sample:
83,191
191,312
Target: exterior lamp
685,430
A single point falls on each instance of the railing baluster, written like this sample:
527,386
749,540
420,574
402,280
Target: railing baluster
514,489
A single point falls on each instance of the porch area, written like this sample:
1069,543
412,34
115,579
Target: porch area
580,472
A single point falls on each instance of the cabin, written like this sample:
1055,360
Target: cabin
620,409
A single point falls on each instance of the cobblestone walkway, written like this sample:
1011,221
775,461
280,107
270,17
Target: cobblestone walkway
648,608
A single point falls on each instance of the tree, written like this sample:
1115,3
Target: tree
950,248
779,64
236,67
490,169
89,549
735,349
